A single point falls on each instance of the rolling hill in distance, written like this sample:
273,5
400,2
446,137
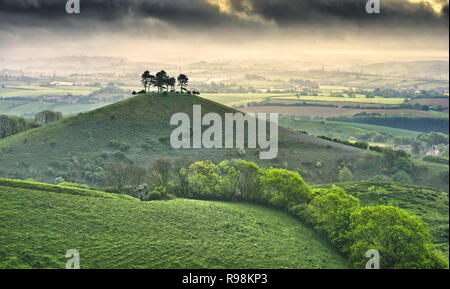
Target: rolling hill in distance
180,233
80,148
85,142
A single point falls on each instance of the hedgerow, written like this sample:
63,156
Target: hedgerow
402,240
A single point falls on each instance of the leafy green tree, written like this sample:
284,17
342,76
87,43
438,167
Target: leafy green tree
230,180
146,80
249,184
160,169
402,240
283,188
123,174
182,82
171,82
345,175
47,116
330,212
10,125
158,193
416,147
161,80
402,177
204,181
179,168
402,163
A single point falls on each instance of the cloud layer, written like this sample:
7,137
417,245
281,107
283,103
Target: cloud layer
229,14
256,26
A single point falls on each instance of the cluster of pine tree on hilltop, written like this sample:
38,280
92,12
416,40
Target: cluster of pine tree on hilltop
163,82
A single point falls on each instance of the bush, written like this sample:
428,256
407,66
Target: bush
118,145
435,159
380,179
73,185
121,174
330,212
283,188
345,175
402,240
402,177
158,193
204,181
141,191
249,184
160,169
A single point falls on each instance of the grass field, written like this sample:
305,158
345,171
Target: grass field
36,91
20,107
234,99
343,130
38,227
377,100
315,111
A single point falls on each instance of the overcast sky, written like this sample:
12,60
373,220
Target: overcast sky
136,27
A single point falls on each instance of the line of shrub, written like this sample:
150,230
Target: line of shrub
402,240
435,159
358,144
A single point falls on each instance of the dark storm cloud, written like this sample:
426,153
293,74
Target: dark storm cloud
52,14
317,12
200,14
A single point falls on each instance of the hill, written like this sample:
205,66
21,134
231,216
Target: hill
345,130
40,223
79,148
430,205
415,69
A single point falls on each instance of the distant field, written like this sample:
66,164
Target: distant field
232,99
19,108
377,100
36,91
314,111
342,130
37,227
432,101
244,98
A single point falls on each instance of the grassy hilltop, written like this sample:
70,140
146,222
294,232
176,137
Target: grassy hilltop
79,148
39,223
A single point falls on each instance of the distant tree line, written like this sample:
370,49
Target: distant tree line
357,144
304,103
10,125
47,116
409,122
415,106
163,82
393,93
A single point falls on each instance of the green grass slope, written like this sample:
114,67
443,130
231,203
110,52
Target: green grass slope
38,227
78,148
344,130
430,205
